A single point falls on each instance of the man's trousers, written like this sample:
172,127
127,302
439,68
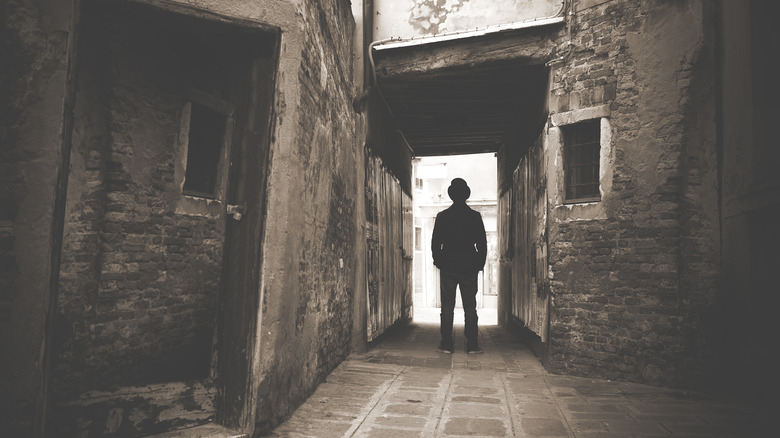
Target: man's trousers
449,281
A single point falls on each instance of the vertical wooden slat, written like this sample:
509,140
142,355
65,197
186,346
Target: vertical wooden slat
530,302
389,234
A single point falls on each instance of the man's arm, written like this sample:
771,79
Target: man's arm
436,242
481,242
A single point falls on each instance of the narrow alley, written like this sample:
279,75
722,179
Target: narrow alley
216,218
403,388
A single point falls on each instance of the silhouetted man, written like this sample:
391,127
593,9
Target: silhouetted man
459,249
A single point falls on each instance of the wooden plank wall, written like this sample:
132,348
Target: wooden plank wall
523,229
389,239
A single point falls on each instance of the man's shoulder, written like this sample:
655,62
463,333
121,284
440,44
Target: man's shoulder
458,210
447,211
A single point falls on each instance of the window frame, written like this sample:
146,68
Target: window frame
575,140
222,167
553,140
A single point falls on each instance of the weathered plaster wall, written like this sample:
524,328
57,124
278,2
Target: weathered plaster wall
414,18
309,262
314,187
633,277
34,39
314,212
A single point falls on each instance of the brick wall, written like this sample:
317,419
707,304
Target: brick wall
140,274
633,277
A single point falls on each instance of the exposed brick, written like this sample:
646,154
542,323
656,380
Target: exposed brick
636,270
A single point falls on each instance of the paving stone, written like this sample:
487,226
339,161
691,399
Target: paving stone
475,399
420,384
402,421
604,416
538,410
701,429
476,390
376,432
409,409
543,427
671,418
413,397
314,428
587,426
534,398
475,427
481,410
330,415
629,427
524,384
584,407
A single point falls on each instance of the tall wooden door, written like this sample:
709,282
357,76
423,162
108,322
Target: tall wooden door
530,284
239,299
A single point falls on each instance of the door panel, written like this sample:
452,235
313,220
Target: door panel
239,284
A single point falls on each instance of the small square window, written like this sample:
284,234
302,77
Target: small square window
206,138
581,152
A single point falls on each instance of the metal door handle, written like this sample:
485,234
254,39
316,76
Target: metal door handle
236,211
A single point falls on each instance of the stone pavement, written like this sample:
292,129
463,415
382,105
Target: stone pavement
403,388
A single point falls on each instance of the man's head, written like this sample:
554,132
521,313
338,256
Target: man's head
459,191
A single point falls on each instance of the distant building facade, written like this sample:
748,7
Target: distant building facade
432,176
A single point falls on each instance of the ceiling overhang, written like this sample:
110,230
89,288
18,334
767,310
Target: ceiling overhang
466,95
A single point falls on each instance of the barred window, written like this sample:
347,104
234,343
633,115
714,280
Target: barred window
581,151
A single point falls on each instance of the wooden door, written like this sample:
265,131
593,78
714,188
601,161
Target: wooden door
239,300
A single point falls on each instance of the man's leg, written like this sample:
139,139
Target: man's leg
468,293
448,285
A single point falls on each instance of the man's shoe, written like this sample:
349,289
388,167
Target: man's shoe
474,350
445,350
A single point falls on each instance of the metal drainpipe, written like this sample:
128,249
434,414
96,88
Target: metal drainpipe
368,36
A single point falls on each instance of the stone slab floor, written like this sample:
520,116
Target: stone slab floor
403,388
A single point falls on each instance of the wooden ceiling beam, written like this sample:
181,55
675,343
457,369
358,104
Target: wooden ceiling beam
526,46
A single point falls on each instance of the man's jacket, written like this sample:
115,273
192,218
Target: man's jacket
459,243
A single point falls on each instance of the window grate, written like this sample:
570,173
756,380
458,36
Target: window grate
581,155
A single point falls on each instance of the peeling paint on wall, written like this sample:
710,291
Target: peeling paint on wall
415,18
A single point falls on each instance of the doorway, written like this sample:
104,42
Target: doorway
166,100
432,176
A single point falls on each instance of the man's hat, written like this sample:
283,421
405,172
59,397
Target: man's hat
459,190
